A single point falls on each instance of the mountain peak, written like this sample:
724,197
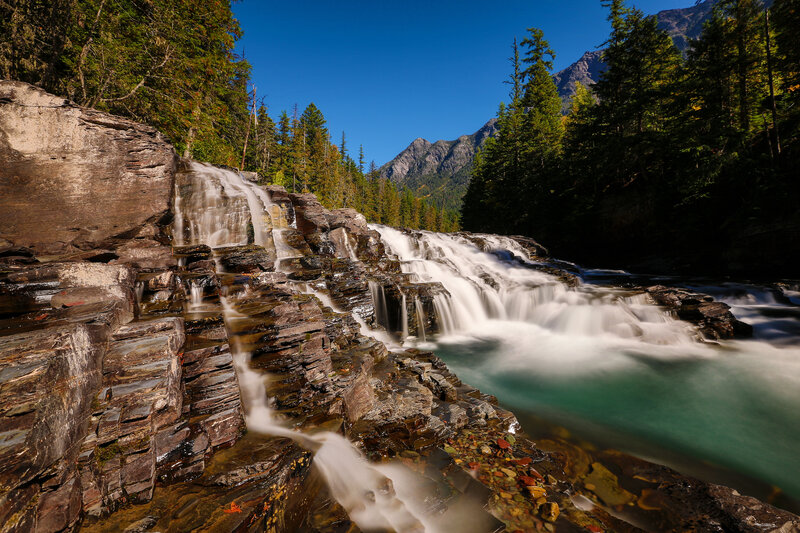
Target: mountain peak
447,163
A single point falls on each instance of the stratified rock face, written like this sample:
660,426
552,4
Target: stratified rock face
72,177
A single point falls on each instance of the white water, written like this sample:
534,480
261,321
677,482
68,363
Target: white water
379,298
420,319
610,365
196,296
376,497
490,298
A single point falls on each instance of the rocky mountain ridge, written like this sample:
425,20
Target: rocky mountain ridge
439,170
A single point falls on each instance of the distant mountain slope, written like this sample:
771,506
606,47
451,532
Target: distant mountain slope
586,70
681,24
439,170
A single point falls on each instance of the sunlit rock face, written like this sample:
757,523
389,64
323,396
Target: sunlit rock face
73,177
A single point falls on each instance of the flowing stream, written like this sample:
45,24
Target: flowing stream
377,497
608,365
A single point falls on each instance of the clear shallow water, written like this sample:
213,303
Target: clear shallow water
608,365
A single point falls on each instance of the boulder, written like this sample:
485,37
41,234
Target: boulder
73,177
713,318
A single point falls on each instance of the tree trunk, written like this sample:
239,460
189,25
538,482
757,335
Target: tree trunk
771,84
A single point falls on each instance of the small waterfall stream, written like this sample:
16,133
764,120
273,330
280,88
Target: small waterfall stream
376,497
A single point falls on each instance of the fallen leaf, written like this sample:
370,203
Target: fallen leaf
523,461
234,509
594,529
504,445
474,466
528,481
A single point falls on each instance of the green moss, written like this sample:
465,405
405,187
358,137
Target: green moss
96,406
139,444
107,452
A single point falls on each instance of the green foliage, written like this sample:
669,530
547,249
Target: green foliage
297,153
513,170
661,147
164,62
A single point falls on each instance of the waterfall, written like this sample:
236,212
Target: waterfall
177,231
196,295
420,319
376,497
379,303
488,289
403,317
139,292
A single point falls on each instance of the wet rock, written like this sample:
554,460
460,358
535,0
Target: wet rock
141,526
145,254
714,319
69,285
112,174
47,379
249,258
141,394
280,197
309,214
267,482
192,254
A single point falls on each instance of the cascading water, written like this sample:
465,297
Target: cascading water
376,497
420,319
614,367
211,207
379,299
484,290
403,317
195,295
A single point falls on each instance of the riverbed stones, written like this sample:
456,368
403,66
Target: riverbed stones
713,318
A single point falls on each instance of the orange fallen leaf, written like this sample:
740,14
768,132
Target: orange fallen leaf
40,317
527,480
504,445
234,509
536,474
474,466
524,461
594,529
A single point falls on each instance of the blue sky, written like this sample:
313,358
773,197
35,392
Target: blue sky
387,72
